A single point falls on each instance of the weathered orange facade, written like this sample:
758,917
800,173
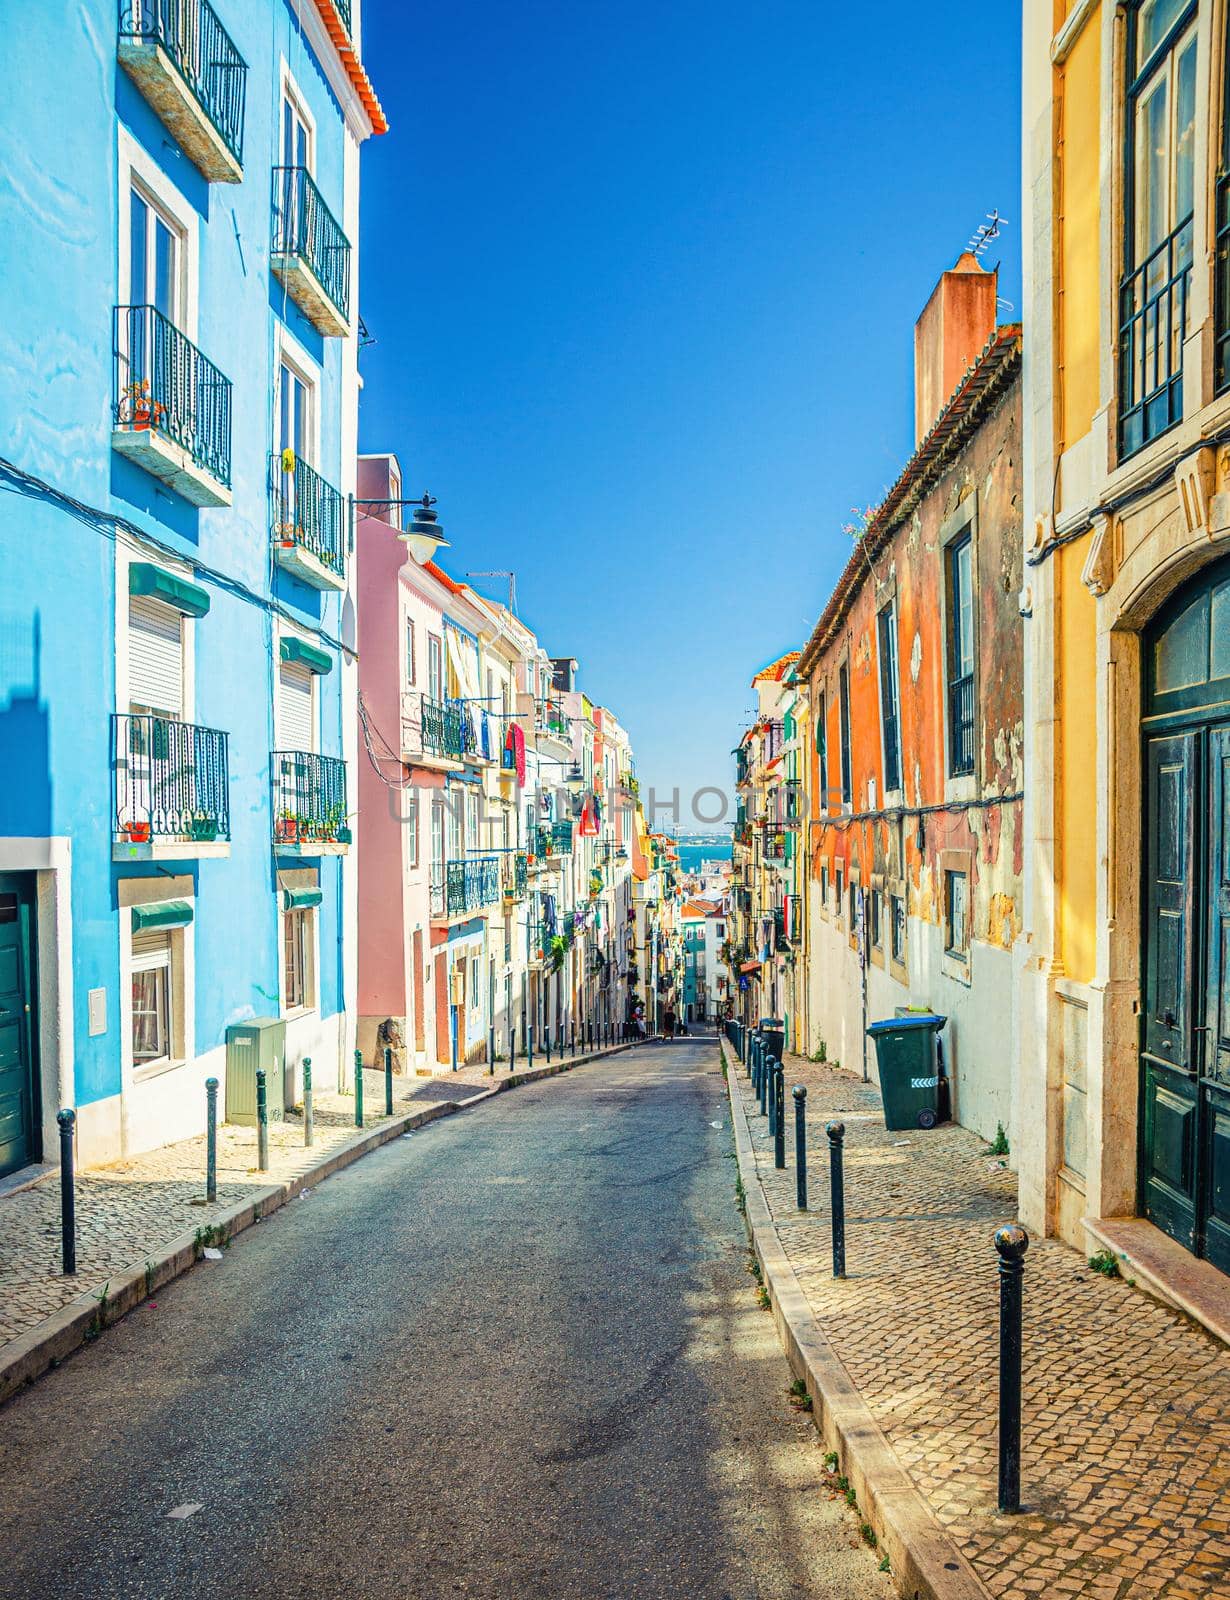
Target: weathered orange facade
914,839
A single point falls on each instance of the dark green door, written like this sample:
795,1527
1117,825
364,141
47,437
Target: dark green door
1185,1029
1171,1101
19,1108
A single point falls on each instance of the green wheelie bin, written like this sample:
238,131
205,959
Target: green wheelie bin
909,1074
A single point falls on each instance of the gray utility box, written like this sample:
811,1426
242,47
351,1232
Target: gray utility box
249,1045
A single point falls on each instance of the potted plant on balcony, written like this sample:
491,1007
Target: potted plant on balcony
138,410
286,828
134,831
203,828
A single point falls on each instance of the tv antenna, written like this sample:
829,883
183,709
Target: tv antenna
512,586
985,232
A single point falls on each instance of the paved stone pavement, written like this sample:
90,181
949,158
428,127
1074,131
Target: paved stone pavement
1126,1434
127,1210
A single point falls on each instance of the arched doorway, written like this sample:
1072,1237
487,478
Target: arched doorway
1185,897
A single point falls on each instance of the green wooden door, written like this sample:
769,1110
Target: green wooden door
1169,1088
19,1113
1185,1029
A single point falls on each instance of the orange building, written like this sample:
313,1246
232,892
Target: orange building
914,683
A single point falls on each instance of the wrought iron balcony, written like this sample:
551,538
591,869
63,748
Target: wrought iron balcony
309,522
309,803
961,726
472,884
311,254
1152,328
550,720
440,727
184,63
476,737
171,786
171,408
516,875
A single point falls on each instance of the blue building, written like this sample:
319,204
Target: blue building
178,416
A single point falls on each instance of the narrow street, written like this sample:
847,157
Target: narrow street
516,1354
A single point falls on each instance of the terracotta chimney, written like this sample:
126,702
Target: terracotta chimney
954,326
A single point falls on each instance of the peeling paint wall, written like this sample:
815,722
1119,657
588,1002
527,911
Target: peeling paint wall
902,844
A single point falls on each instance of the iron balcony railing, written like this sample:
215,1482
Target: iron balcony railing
440,723
171,780
472,884
307,512
1221,297
304,226
161,381
342,7
1152,327
961,725
309,798
201,51
548,718
516,875
561,838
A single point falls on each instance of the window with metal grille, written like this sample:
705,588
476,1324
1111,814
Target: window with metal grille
1159,147
960,658
843,689
890,710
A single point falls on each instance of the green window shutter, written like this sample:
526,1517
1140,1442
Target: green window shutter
301,899
169,914
145,578
314,660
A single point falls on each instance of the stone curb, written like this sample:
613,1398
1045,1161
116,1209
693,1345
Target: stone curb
30,1354
926,1565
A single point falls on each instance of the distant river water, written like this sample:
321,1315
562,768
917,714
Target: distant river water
691,855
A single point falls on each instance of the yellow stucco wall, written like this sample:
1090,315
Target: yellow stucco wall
1078,310
1075,667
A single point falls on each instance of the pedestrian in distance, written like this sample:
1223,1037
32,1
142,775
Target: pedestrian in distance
668,1022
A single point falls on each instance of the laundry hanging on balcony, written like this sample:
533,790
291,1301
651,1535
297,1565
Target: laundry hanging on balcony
548,914
462,655
514,740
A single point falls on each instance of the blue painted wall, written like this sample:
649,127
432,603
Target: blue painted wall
63,97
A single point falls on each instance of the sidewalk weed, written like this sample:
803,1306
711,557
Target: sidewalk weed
1106,1262
999,1145
868,1533
799,1397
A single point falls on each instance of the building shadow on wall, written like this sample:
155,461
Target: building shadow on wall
25,732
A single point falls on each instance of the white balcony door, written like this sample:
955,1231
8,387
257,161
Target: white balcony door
296,706
435,668
154,257
155,657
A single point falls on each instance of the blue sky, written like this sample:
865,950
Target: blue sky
642,281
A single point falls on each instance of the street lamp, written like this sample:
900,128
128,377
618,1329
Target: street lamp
575,781
424,536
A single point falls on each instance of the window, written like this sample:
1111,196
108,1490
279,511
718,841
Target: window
296,131
1221,294
155,257
295,414
454,827
296,706
410,659
412,822
473,838
896,928
822,753
1160,152
155,657
877,930
890,713
298,927
843,691
437,834
956,915
474,991
435,667
152,998
960,658
853,893
824,888
839,898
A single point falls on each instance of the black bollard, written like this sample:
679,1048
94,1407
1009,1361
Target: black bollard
771,1094
358,1089
388,1081
491,1050
778,1091
546,1039
574,1041
309,1125
529,1045
68,1198
1011,1242
512,1047
800,1146
262,1122
211,1140
837,1194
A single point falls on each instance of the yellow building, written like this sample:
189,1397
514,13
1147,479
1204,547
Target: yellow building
1124,1049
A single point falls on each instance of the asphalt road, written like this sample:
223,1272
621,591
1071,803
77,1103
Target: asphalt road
516,1354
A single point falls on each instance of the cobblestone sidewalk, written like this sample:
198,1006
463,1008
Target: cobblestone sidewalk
127,1211
1126,1437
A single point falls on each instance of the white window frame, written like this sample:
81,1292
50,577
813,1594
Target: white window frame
291,91
289,352
137,169
410,659
124,558
305,918
182,994
279,732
